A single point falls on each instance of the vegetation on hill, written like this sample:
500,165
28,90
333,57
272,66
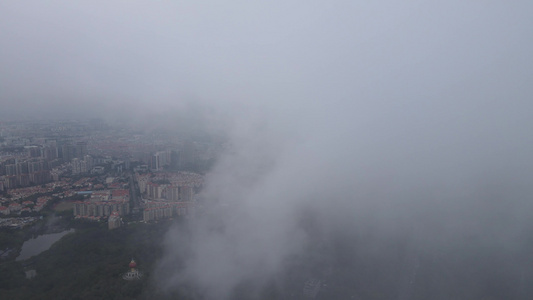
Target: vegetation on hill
87,264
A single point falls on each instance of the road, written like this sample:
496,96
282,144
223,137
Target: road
133,194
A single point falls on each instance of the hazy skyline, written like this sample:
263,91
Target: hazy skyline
407,119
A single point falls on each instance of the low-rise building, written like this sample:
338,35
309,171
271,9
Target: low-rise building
4,210
114,220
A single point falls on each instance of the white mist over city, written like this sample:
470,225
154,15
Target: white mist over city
370,150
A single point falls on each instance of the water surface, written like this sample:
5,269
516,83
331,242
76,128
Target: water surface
39,244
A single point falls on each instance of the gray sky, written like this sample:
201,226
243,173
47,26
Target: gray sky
384,111
132,55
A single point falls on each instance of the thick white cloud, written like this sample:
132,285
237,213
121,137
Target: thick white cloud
377,112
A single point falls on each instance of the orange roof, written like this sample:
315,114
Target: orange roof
118,193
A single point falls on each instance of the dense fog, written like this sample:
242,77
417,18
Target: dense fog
382,149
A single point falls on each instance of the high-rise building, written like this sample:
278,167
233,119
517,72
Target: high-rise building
33,151
75,166
49,152
173,193
68,152
90,162
154,162
11,169
186,193
81,149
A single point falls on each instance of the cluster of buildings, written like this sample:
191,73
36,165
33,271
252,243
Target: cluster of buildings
168,194
162,159
17,223
21,172
180,186
103,204
156,210
14,207
170,158
37,164
21,193
18,200
38,158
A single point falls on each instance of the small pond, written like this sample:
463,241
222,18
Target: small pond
39,244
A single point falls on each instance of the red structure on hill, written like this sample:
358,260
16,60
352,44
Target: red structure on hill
133,273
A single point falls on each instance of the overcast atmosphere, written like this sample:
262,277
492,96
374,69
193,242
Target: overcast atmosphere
368,143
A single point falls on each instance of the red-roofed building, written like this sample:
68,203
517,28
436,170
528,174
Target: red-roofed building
119,193
4,210
14,207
